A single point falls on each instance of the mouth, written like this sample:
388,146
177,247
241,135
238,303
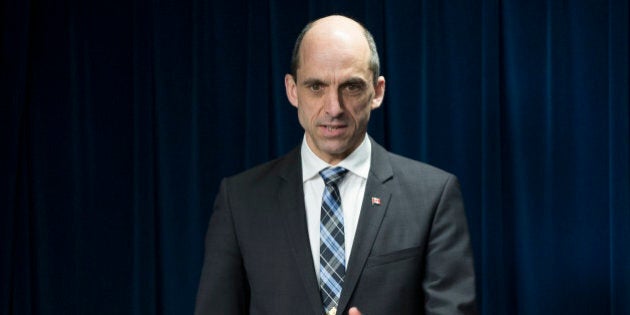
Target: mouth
333,130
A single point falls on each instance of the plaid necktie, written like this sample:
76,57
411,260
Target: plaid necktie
332,262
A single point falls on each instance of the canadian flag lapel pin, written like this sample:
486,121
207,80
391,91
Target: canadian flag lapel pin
376,201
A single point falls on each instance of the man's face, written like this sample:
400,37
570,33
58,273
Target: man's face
334,92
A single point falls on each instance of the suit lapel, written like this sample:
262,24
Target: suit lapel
372,214
292,209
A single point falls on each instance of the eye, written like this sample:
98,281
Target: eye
315,87
353,88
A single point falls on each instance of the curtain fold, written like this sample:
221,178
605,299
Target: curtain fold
619,155
119,119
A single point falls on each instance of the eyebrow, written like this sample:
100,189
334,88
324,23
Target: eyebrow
352,80
309,82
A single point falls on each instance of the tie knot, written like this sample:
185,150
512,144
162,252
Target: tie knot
333,175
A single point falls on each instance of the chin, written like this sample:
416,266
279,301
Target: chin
334,147
336,152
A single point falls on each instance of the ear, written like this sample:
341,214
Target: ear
379,92
291,88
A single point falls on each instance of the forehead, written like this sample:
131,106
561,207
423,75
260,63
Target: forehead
334,48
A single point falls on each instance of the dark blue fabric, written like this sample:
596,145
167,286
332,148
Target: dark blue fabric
119,118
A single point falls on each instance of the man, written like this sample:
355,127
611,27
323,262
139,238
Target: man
339,224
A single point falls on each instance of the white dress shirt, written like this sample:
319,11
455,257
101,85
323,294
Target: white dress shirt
352,189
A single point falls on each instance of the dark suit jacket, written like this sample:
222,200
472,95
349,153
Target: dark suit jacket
411,253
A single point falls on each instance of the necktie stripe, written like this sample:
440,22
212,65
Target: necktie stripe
332,249
333,245
329,280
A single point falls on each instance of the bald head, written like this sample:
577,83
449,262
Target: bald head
339,31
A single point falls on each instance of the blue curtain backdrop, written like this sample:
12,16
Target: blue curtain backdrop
119,118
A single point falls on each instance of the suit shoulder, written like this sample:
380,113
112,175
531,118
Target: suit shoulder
422,183
270,170
407,167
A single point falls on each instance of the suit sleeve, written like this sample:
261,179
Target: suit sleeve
449,282
223,288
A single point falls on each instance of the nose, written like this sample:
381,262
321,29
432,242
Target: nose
334,105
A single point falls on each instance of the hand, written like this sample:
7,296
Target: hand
354,311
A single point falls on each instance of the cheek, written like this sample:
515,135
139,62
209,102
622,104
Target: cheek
363,119
361,109
308,110
305,116
302,116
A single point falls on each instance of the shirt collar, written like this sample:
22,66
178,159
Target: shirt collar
358,162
